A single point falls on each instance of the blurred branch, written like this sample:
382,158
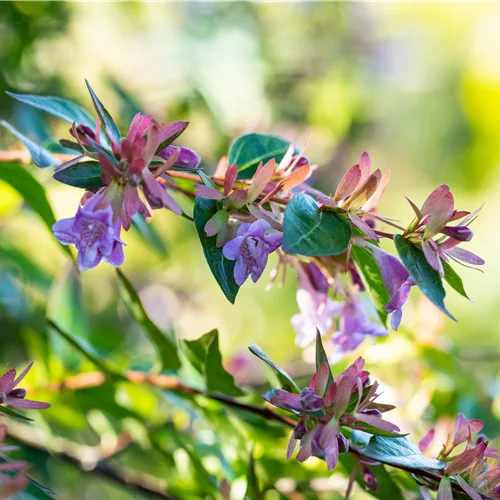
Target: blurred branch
96,379
90,459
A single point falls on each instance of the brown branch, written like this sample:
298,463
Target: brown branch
78,455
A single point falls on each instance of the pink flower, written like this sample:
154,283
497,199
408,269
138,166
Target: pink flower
434,218
10,396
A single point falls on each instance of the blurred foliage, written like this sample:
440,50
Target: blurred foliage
417,85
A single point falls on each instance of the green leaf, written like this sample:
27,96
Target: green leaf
205,355
321,358
454,280
372,278
88,351
35,488
32,191
150,235
165,345
5,410
106,119
253,490
285,379
40,156
85,175
65,308
222,268
314,232
249,150
398,452
62,108
426,278
376,431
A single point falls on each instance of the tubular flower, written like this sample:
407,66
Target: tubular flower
94,233
326,405
434,218
250,249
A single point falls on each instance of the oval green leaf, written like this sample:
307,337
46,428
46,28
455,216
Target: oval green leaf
85,175
314,232
222,268
426,278
249,150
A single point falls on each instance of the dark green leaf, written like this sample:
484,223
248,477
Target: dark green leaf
321,358
253,490
150,235
57,106
5,410
454,280
40,156
32,191
426,278
314,232
249,150
87,350
205,355
399,452
85,175
285,379
372,278
106,119
222,268
165,345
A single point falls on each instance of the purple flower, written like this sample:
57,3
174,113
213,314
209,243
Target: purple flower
250,249
10,396
314,314
354,327
397,282
94,233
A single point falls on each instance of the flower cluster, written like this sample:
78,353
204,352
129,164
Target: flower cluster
12,472
326,405
475,466
138,161
433,219
260,203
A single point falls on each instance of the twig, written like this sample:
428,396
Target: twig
89,459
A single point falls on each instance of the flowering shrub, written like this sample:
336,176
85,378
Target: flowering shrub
258,203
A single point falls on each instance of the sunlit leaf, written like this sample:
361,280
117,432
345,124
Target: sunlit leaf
165,345
205,355
285,379
426,278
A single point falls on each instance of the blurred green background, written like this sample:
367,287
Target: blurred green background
417,85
